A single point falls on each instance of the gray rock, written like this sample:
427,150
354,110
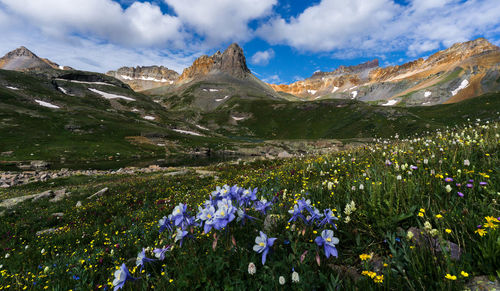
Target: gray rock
46,231
39,165
284,154
482,283
57,215
6,154
59,195
46,194
99,193
422,239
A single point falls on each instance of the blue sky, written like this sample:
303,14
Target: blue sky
283,40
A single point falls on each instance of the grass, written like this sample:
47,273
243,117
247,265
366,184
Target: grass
390,196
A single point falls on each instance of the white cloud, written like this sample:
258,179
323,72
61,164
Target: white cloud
262,58
221,20
378,26
274,79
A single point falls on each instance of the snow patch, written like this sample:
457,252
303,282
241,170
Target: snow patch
335,89
125,77
111,96
238,118
135,110
201,127
312,91
354,94
352,88
222,99
47,104
390,103
61,67
187,132
427,93
12,88
82,82
147,117
213,90
425,103
463,85
142,78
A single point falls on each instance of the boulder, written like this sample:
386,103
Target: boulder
99,193
39,165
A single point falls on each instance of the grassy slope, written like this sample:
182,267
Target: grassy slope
105,233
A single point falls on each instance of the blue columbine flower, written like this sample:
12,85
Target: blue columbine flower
141,259
207,215
122,275
165,223
224,214
304,204
242,216
328,241
160,253
329,218
262,205
296,212
179,235
248,196
315,215
262,245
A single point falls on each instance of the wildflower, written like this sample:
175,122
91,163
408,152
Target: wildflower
379,279
252,269
399,177
329,218
160,253
427,225
142,259
165,223
207,215
409,235
460,194
448,179
413,167
262,245
426,161
422,210
469,185
421,214
448,230
242,216
464,274
365,257
450,277
434,232
438,216
281,280
46,270
179,235
296,212
448,188
42,251
490,224
361,187
350,208
224,213
315,215
483,183
481,232
491,219
7,255
369,274
121,276
347,219
466,163
295,277
328,241
262,205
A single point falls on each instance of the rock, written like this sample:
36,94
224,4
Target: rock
177,173
6,154
59,195
57,215
39,165
284,154
99,193
46,194
423,239
482,283
270,221
46,231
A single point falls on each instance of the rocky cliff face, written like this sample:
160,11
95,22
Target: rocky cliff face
231,62
145,78
23,59
462,71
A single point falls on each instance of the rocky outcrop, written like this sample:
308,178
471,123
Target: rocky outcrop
145,78
231,62
23,59
464,70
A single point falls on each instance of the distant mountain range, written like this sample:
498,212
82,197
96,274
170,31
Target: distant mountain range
460,72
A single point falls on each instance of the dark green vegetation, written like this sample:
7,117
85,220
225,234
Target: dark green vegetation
93,240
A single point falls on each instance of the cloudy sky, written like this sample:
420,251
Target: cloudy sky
283,40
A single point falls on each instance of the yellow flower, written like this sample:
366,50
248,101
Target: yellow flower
369,274
365,257
438,216
422,210
448,230
379,279
481,232
421,214
490,225
491,219
450,277
464,274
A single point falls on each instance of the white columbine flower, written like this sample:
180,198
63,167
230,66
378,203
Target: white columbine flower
448,188
251,268
295,277
282,280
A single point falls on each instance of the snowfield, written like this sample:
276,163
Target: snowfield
147,117
201,127
187,132
427,93
312,91
47,104
222,99
463,85
111,96
82,82
238,118
390,103
354,94
125,77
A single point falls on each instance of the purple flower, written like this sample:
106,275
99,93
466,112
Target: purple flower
458,185
388,162
160,253
483,183
248,196
315,215
121,276
328,241
262,245
448,179
242,216
141,259
460,194
329,218
207,215
165,223
471,181
469,185
179,235
413,167
179,217
262,206
296,212
304,204
224,214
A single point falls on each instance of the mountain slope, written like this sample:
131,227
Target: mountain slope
462,71
145,78
23,59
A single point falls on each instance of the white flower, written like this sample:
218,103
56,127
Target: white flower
46,270
42,251
399,177
295,277
409,235
361,187
26,247
347,219
1,266
448,188
282,280
427,226
251,268
434,232
426,161
466,163
7,255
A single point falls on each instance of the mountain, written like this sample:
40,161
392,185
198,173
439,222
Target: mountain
145,78
460,72
213,80
22,59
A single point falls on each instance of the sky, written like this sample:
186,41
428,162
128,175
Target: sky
283,40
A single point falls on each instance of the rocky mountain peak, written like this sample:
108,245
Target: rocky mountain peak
143,78
345,70
232,62
21,52
22,59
